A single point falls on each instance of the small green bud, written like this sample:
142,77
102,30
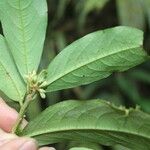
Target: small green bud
43,95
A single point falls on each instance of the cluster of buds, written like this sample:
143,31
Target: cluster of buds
36,82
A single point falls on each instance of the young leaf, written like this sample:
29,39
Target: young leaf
96,56
94,121
24,25
11,83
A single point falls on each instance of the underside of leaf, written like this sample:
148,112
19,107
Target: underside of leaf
96,56
11,84
94,121
24,24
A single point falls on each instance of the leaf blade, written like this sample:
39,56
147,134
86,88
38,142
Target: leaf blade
94,57
25,36
94,121
11,83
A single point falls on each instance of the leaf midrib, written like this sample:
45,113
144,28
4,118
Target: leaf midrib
74,69
23,37
84,129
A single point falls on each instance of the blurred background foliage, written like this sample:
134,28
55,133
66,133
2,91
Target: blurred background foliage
72,19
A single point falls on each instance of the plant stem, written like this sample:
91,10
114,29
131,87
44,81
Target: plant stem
22,112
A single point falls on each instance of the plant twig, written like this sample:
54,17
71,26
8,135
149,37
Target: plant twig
22,112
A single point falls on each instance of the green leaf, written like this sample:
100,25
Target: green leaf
127,12
24,25
119,147
11,83
94,121
96,56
